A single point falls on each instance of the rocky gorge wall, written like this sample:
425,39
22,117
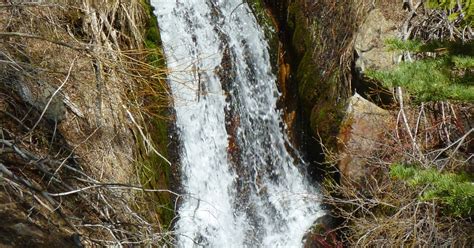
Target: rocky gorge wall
316,50
324,49
81,108
367,128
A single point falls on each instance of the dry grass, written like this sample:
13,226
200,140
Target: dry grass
80,169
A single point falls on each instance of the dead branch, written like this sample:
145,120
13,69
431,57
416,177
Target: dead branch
53,95
112,186
144,136
416,148
83,48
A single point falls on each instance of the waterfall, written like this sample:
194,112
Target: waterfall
242,187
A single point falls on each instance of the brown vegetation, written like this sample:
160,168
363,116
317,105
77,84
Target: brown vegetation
73,81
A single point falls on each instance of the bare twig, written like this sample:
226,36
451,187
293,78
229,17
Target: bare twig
458,141
37,37
54,94
407,126
112,186
144,136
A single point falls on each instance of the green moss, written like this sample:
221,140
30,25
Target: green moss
325,121
152,33
317,78
299,39
292,9
154,173
266,23
308,73
152,37
302,40
309,79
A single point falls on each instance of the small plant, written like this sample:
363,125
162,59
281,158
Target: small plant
448,75
455,191
463,9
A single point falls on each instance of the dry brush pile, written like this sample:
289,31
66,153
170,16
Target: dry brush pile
74,83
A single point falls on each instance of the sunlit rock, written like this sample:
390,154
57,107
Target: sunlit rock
370,44
359,136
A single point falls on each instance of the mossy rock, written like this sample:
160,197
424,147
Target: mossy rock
269,27
318,74
308,79
302,39
324,121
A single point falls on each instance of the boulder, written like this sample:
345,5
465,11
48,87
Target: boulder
36,92
322,233
370,40
41,96
359,137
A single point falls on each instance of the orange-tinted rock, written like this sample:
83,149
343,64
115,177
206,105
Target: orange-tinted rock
359,136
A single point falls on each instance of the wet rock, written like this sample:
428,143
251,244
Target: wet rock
370,42
322,233
359,136
17,229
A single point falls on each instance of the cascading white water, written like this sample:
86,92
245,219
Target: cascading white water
242,186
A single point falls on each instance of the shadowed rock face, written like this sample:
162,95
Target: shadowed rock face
359,136
17,229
